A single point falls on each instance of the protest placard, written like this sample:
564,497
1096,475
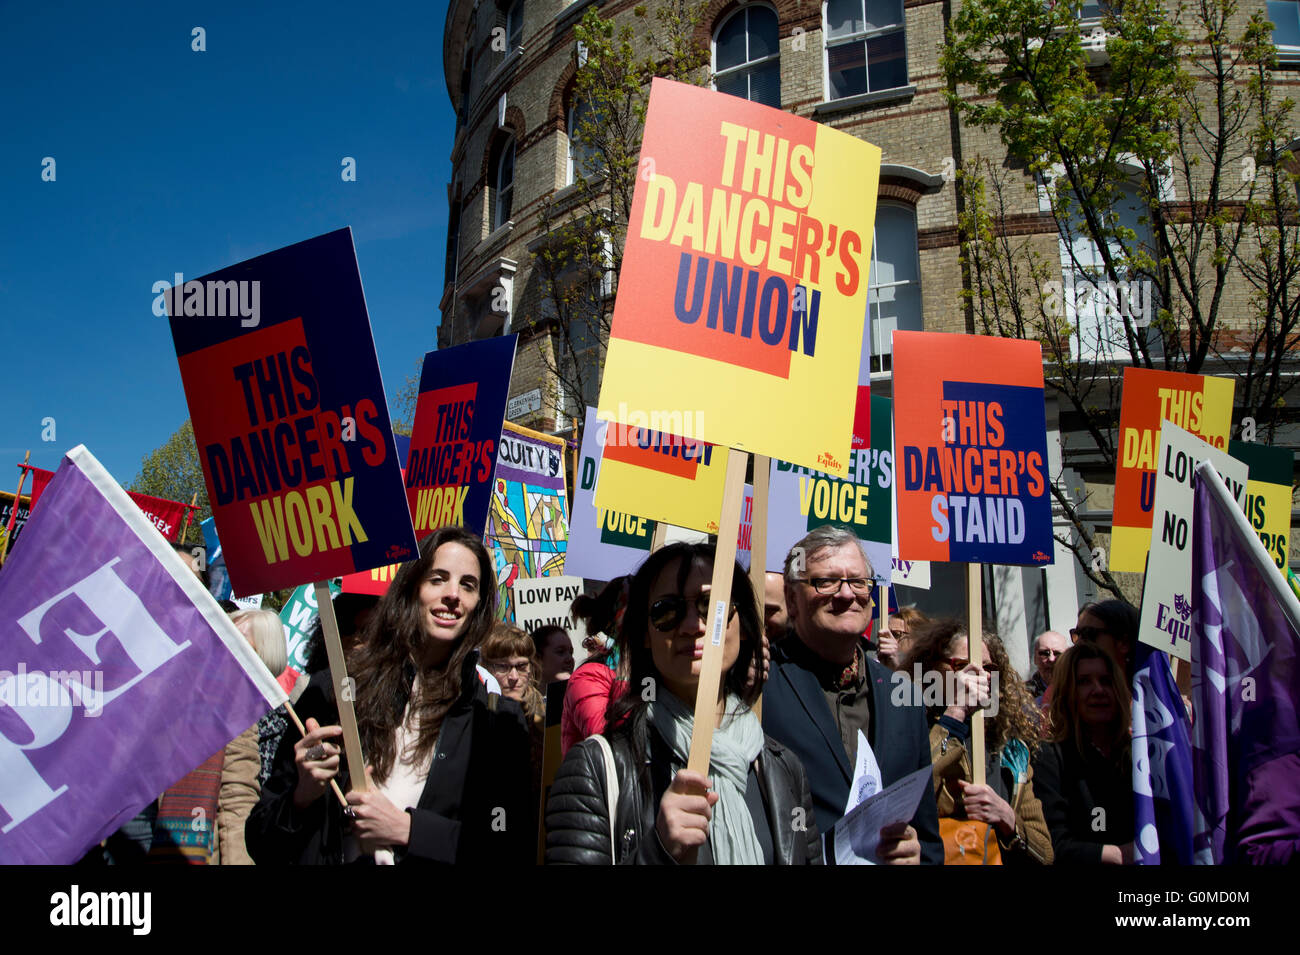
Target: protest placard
743,286
458,418
545,601
910,573
528,519
298,616
801,499
1167,596
971,449
1199,404
1268,495
290,417
170,517
109,647
660,477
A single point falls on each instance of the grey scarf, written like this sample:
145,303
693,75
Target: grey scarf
736,744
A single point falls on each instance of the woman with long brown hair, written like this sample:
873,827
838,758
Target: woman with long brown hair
1085,773
447,761
953,689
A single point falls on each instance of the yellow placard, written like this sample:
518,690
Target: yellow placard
742,295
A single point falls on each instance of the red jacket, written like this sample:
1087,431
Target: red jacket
590,690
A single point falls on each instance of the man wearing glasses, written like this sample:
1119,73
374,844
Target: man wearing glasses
1048,647
823,690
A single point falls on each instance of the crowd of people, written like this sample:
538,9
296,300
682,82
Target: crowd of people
450,706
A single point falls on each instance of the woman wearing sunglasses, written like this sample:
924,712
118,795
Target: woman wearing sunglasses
741,812
1006,804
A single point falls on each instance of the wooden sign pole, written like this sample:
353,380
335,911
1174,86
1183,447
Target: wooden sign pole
189,514
706,693
343,688
975,641
758,545
882,605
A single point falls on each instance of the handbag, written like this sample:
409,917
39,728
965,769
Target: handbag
967,842
611,792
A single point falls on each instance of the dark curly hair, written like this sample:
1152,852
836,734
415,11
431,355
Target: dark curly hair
1018,716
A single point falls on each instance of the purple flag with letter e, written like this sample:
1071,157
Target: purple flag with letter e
119,673
1245,689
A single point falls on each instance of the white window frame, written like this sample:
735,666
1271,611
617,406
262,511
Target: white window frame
881,336
571,173
862,37
499,216
1287,52
749,65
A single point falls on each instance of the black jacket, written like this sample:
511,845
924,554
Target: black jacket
478,805
796,713
577,815
1087,801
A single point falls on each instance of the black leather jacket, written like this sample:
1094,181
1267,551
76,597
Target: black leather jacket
480,780
577,817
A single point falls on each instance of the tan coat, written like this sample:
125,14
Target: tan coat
951,763
239,794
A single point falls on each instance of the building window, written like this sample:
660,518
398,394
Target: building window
584,159
514,26
866,49
1094,306
503,183
894,284
1285,15
747,56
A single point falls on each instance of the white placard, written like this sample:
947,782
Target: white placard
540,601
1167,590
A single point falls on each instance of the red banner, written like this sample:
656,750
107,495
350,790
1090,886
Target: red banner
167,516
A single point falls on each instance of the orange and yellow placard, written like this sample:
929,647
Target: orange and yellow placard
743,289
661,477
1196,403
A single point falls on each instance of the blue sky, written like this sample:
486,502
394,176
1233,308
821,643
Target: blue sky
170,160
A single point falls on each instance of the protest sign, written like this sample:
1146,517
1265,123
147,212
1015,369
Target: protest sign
170,517
1199,404
108,645
545,601
971,449
375,581
660,477
8,538
1167,589
1268,495
743,285
910,573
802,499
290,417
528,519
298,616
458,417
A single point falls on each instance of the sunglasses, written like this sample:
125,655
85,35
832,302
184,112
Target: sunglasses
1087,634
667,613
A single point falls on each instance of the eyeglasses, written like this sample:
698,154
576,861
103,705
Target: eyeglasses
831,585
1087,634
503,669
959,663
1049,654
667,613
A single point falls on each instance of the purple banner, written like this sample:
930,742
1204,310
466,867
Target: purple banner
119,673
1245,688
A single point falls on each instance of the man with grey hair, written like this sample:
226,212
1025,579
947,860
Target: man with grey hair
1045,651
823,691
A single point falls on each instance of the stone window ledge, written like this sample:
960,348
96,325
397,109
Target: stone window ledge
878,98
